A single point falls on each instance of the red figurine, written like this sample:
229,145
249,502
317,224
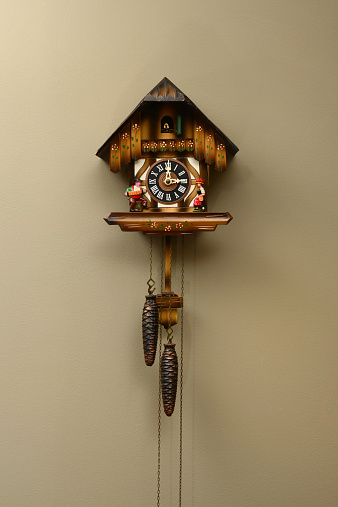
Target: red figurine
136,200
199,201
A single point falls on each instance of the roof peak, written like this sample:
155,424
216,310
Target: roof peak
165,90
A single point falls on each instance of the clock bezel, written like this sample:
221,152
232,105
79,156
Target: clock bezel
185,195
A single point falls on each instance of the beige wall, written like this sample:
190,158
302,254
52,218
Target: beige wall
78,409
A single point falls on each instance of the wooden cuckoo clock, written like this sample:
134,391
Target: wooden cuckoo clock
167,147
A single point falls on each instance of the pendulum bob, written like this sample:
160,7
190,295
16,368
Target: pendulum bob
169,373
168,317
150,329
168,302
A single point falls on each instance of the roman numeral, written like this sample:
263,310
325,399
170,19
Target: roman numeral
176,195
154,189
160,168
182,172
184,181
167,197
181,189
160,195
152,182
153,173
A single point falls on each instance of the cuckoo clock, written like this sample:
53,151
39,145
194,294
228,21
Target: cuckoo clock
167,147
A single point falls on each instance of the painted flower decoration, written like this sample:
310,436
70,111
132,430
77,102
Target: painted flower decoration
190,146
181,145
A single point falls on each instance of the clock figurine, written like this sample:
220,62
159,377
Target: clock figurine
135,193
199,201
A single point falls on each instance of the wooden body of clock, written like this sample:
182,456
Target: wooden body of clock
170,146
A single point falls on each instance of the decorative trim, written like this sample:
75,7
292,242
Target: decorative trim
170,224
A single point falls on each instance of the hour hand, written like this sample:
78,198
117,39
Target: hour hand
167,179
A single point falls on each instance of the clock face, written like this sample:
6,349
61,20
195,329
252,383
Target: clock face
168,181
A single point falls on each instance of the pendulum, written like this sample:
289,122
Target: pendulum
162,310
150,319
169,366
169,362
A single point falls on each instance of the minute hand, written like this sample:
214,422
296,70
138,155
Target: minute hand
173,180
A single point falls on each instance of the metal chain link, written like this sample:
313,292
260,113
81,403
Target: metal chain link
159,389
170,332
181,376
151,282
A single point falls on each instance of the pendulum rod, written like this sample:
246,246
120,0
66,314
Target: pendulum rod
181,376
167,287
167,300
159,388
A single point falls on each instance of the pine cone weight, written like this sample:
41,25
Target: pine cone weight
169,373
150,329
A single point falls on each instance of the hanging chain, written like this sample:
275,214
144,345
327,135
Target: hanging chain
181,376
159,389
151,282
170,329
170,337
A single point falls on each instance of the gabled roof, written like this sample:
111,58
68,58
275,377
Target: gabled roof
165,90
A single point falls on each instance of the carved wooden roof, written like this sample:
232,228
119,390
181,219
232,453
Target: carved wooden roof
165,90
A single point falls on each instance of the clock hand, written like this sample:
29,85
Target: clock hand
173,180
167,178
169,181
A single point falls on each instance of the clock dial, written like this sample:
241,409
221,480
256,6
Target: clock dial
168,181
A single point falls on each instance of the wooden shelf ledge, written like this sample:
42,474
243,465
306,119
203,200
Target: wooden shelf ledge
168,224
